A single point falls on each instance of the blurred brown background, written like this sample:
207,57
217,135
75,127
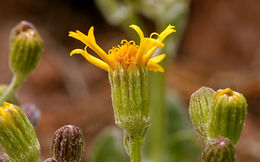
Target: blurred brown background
220,48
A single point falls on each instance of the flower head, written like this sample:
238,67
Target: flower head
126,55
17,136
67,144
227,115
26,48
219,150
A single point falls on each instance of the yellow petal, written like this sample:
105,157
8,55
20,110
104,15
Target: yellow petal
91,43
76,36
158,59
148,44
149,54
170,29
97,62
91,34
154,66
138,30
76,51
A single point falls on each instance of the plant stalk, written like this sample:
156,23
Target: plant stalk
136,149
15,84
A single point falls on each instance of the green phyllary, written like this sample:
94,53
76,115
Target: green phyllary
17,136
227,115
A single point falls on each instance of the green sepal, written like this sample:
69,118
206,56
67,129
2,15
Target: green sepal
227,115
199,111
26,48
130,97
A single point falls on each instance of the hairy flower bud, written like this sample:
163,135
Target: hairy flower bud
219,150
33,113
130,96
199,111
26,48
227,115
17,136
67,144
50,160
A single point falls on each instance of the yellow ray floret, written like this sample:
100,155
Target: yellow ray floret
127,54
6,106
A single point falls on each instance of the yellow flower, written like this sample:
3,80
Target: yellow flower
7,106
127,54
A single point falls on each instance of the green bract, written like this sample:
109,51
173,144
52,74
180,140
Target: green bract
130,97
26,48
17,136
199,111
227,115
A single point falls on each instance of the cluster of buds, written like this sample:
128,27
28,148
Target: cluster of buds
218,119
17,136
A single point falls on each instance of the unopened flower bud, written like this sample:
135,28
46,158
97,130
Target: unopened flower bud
219,150
227,115
199,111
26,48
67,144
50,160
17,136
13,99
33,113
130,96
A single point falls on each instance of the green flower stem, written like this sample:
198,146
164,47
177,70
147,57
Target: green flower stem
136,149
17,81
157,130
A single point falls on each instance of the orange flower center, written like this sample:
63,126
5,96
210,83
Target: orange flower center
125,54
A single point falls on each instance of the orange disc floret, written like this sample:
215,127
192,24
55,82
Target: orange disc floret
125,54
